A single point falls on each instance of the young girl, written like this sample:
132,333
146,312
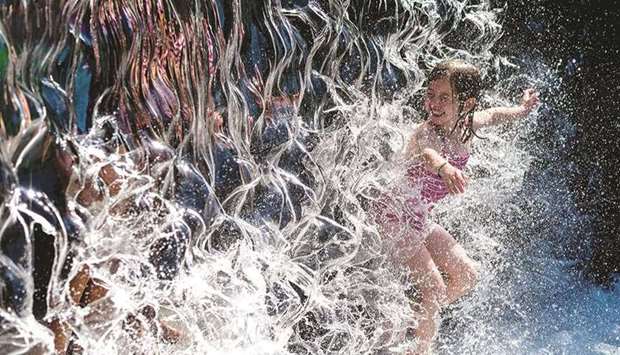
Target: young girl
437,153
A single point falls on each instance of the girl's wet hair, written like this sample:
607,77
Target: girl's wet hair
466,83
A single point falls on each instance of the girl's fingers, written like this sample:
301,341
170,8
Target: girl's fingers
461,182
450,185
459,186
455,184
529,95
464,179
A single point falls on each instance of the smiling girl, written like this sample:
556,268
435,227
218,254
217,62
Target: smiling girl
437,152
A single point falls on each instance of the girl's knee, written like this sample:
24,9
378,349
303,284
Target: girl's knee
468,276
434,291
472,273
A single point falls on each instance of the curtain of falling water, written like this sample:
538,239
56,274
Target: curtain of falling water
240,136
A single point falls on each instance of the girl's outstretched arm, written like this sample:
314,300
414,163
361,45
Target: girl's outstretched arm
498,115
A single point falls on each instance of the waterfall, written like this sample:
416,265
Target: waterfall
183,177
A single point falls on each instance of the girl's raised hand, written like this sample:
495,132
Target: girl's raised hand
454,179
530,100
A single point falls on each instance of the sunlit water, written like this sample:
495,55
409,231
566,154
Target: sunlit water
322,283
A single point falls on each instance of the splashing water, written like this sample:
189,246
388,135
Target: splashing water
202,165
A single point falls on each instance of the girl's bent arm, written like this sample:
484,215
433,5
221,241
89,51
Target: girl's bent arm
455,180
498,115
420,147
433,160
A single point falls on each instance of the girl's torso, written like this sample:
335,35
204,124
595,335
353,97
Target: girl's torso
432,188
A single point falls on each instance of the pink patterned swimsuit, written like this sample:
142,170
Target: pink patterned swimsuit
433,187
403,212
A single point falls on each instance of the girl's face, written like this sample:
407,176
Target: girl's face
440,103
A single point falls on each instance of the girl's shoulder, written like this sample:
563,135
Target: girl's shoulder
417,128
423,131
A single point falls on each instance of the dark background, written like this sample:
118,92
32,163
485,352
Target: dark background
580,41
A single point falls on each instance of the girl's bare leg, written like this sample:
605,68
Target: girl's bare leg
452,260
432,295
